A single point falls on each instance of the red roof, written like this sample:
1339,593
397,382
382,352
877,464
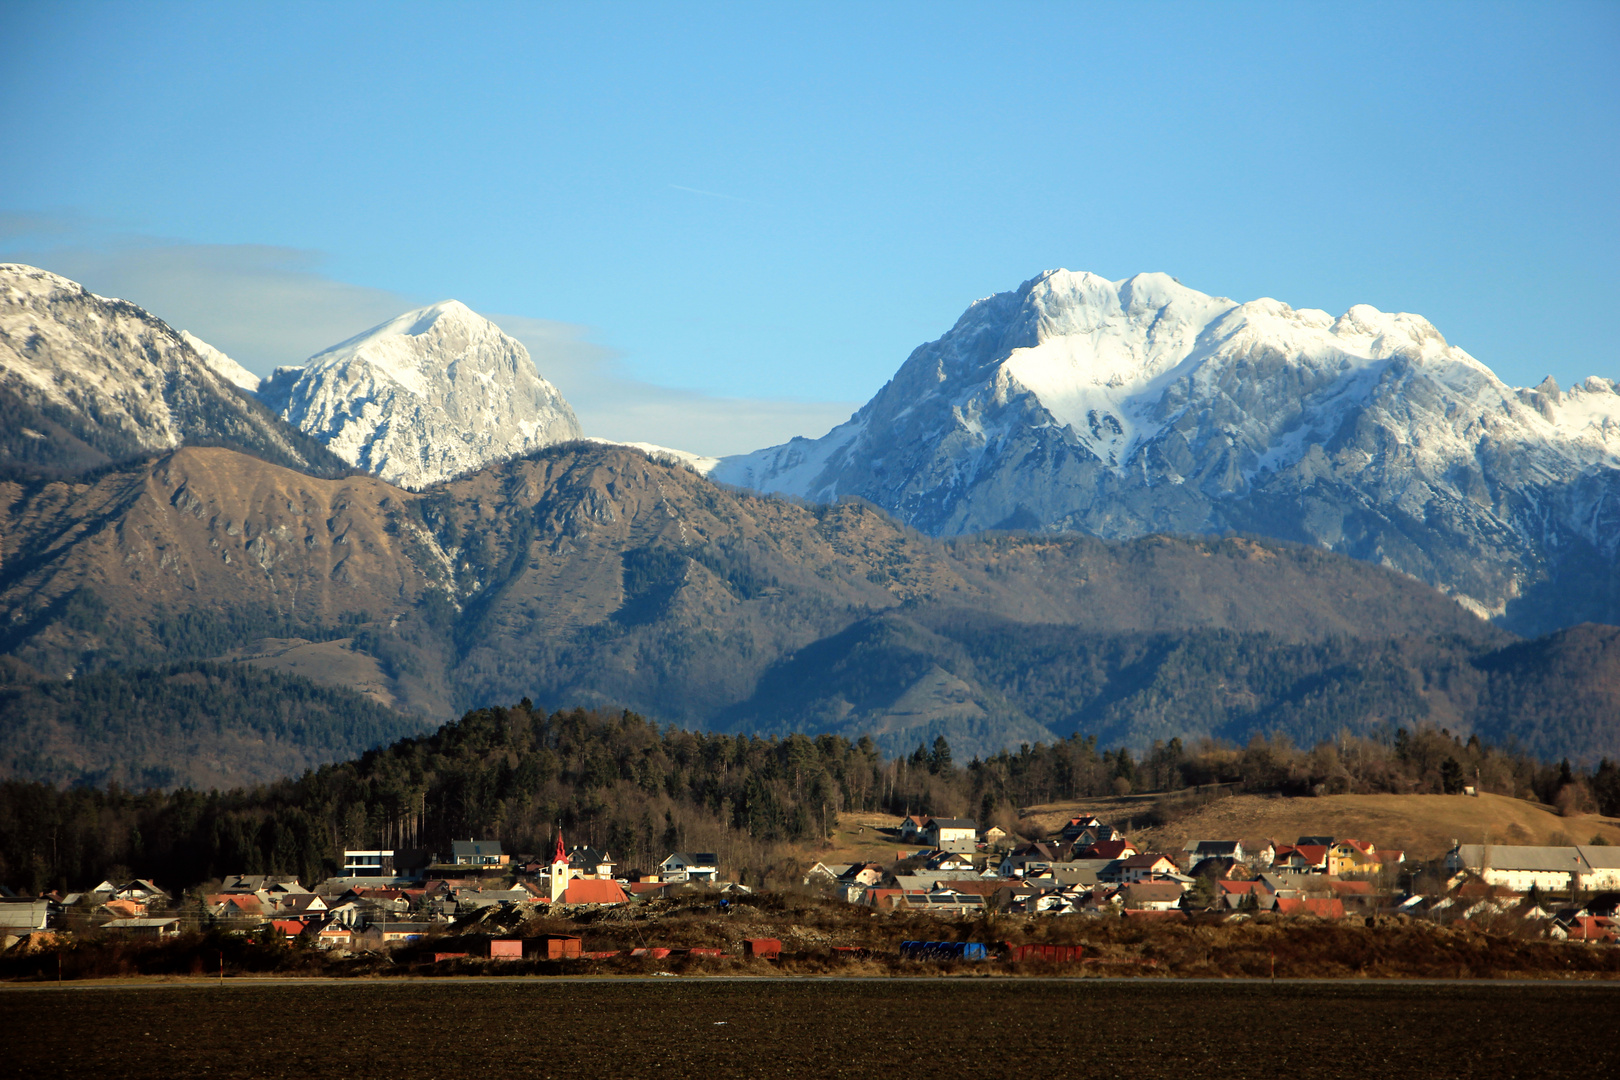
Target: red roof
1351,888
1242,888
290,927
241,901
1322,909
1107,849
1313,854
588,891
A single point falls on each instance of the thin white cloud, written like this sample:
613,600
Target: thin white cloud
267,306
613,405
264,306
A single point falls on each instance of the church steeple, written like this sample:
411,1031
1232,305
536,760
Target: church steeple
559,868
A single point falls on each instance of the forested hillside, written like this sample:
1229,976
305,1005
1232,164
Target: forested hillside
191,724
618,781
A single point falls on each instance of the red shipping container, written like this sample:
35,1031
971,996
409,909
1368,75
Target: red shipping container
1057,954
705,952
561,947
763,948
506,950
441,957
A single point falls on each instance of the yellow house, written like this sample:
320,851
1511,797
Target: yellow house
1351,857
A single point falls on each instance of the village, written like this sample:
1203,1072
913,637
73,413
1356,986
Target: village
478,901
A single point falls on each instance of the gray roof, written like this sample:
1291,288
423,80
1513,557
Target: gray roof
460,848
954,823
1600,857
138,924
1545,860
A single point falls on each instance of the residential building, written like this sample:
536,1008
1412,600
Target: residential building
689,866
1142,868
478,853
1200,850
1152,895
1605,864
1106,849
1301,859
588,862
1352,857
821,873
952,834
1521,867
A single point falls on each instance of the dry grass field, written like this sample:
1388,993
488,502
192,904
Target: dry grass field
1424,826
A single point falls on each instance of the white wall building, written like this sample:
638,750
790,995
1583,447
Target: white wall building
1521,868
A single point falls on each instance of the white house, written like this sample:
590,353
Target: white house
687,866
1605,864
952,834
1522,868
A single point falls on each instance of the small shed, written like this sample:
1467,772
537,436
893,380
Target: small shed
762,948
508,949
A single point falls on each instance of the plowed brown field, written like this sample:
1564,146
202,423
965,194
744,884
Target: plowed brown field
713,1029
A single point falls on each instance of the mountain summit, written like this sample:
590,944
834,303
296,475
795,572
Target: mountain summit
423,397
1122,408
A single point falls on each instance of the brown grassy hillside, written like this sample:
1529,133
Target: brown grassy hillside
1424,826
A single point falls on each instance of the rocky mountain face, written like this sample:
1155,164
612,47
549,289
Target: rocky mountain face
596,576
85,380
427,396
1121,409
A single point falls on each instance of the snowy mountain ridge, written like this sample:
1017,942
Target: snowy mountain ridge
1122,408
110,380
423,397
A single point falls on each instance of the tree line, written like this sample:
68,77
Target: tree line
622,783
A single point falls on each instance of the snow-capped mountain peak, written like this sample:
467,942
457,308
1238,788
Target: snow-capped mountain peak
1135,406
424,396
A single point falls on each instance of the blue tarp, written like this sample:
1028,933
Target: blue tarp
943,950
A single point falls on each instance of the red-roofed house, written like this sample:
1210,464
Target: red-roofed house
289,927
1592,928
1108,849
1303,859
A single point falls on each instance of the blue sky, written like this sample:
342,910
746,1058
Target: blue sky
717,226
